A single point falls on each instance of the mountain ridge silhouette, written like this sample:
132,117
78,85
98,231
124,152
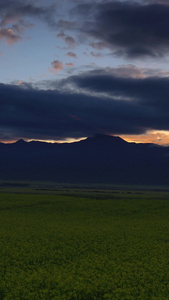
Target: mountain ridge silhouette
98,159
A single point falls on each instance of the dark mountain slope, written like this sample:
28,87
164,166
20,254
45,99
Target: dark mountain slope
101,159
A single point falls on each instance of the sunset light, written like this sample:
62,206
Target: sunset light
84,149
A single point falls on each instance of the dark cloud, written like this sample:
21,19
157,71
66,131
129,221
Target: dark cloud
166,2
11,10
129,28
148,91
97,102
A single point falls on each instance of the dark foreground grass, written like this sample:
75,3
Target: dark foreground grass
63,247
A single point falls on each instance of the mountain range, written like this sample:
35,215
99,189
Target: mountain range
98,159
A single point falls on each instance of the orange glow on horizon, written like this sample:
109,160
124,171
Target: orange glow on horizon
67,140
8,142
159,137
19,82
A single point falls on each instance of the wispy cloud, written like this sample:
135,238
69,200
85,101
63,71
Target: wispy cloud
71,54
69,40
98,45
56,66
64,24
13,18
69,64
97,55
9,35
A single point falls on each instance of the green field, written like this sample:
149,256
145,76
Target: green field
84,244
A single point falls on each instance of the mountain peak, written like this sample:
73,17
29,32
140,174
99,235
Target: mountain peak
107,138
98,159
20,142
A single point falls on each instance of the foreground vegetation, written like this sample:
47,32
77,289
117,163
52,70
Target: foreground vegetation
84,245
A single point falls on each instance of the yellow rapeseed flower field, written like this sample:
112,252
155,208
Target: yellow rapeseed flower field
84,246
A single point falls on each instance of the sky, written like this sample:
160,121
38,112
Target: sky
71,69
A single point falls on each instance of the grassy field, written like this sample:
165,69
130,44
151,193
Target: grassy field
84,244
